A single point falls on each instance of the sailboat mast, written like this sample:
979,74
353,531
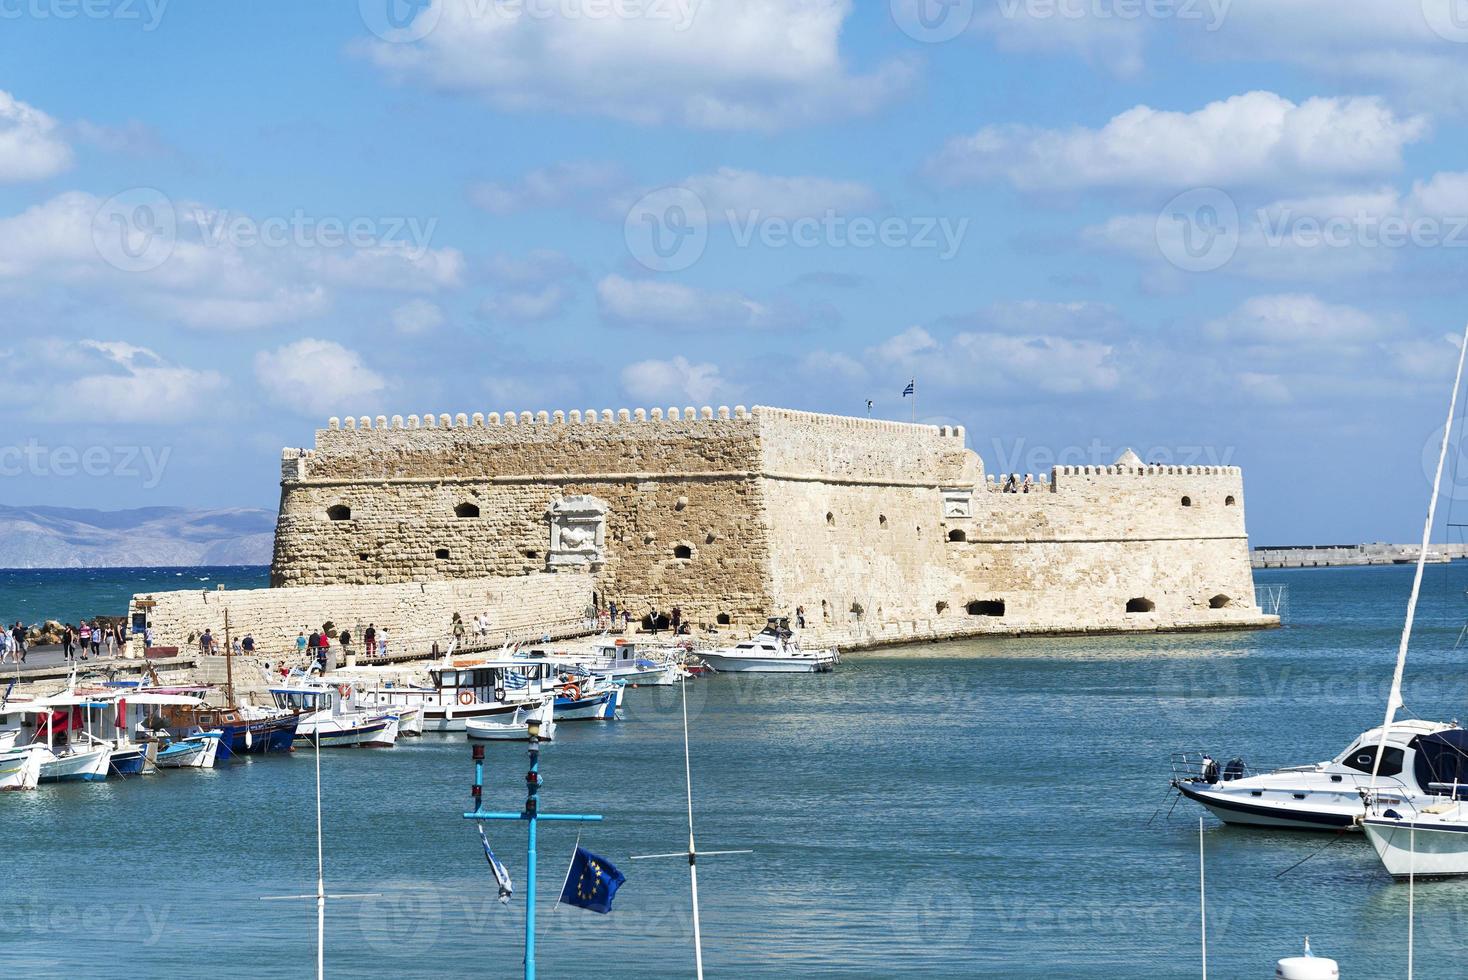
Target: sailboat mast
692,850
320,876
1394,700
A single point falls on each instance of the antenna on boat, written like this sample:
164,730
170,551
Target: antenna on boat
692,853
320,896
1394,700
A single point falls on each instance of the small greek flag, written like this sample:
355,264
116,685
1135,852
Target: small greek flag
501,875
515,681
911,388
581,672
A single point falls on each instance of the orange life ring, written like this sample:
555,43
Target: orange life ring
465,697
573,692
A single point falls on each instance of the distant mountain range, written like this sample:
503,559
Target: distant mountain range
62,537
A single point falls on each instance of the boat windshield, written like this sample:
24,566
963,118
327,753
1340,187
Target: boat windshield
298,700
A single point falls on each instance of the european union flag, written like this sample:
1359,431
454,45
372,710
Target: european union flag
592,882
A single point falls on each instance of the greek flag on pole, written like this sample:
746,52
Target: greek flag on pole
911,388
516,681
500,874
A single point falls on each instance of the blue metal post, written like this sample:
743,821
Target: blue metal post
531,815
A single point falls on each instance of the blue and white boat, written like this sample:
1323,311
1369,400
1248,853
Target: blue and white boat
197,751
330,716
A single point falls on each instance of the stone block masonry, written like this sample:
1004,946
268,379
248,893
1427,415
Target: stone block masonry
882,531
416,614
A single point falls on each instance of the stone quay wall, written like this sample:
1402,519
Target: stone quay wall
416,615
882,531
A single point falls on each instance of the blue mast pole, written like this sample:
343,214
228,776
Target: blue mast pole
532,816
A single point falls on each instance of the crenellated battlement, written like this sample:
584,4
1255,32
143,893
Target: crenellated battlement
625,416
1147,470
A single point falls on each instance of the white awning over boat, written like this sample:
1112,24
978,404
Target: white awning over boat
148,697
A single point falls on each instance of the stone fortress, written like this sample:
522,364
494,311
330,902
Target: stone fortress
883,531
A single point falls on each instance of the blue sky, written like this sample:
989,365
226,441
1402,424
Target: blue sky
1217,232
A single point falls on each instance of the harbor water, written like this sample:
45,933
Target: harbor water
991,808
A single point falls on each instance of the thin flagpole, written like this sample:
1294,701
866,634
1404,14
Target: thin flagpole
1202,899
320,875
1411,897
692,850
1394,700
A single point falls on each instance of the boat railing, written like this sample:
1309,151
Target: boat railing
1203,767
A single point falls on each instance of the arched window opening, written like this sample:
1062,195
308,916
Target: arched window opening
830,519
825,610
985,607
1140,605
1187,501
682,551
1220,601
1229,501
957,534
442,554
882,521
466,511
339,512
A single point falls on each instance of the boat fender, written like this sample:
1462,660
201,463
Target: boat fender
1307,967
465,697
499,694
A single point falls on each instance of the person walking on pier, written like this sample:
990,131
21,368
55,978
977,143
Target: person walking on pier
5,647
17,638
382,643
68,643
84,637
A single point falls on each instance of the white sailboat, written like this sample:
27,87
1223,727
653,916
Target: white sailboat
1416,837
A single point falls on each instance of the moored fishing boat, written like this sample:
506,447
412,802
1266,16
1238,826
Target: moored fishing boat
515,726
197,751
20,768
330,718
244,729
775,649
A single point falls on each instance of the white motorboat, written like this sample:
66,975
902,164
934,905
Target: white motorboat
515,727
75,763
330,716
1326,795
774,649
634,663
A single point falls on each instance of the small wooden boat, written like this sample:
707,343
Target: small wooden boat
192,752
515,727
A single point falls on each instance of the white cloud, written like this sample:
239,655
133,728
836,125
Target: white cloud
1322,237
718,64
656,303
417,316
194,272
1048,363
1254,138
110,382
526,306
1289,319
560,185
317,377
31,145
675,380
730,192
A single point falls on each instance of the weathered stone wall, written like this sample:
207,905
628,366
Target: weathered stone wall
881,530
417,615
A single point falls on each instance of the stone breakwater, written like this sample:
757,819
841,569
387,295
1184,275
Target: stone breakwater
881,531
1327,556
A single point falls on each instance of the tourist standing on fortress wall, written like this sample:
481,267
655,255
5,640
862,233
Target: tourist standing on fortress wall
369,639
382,642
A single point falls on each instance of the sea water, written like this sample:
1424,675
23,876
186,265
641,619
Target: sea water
991,808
